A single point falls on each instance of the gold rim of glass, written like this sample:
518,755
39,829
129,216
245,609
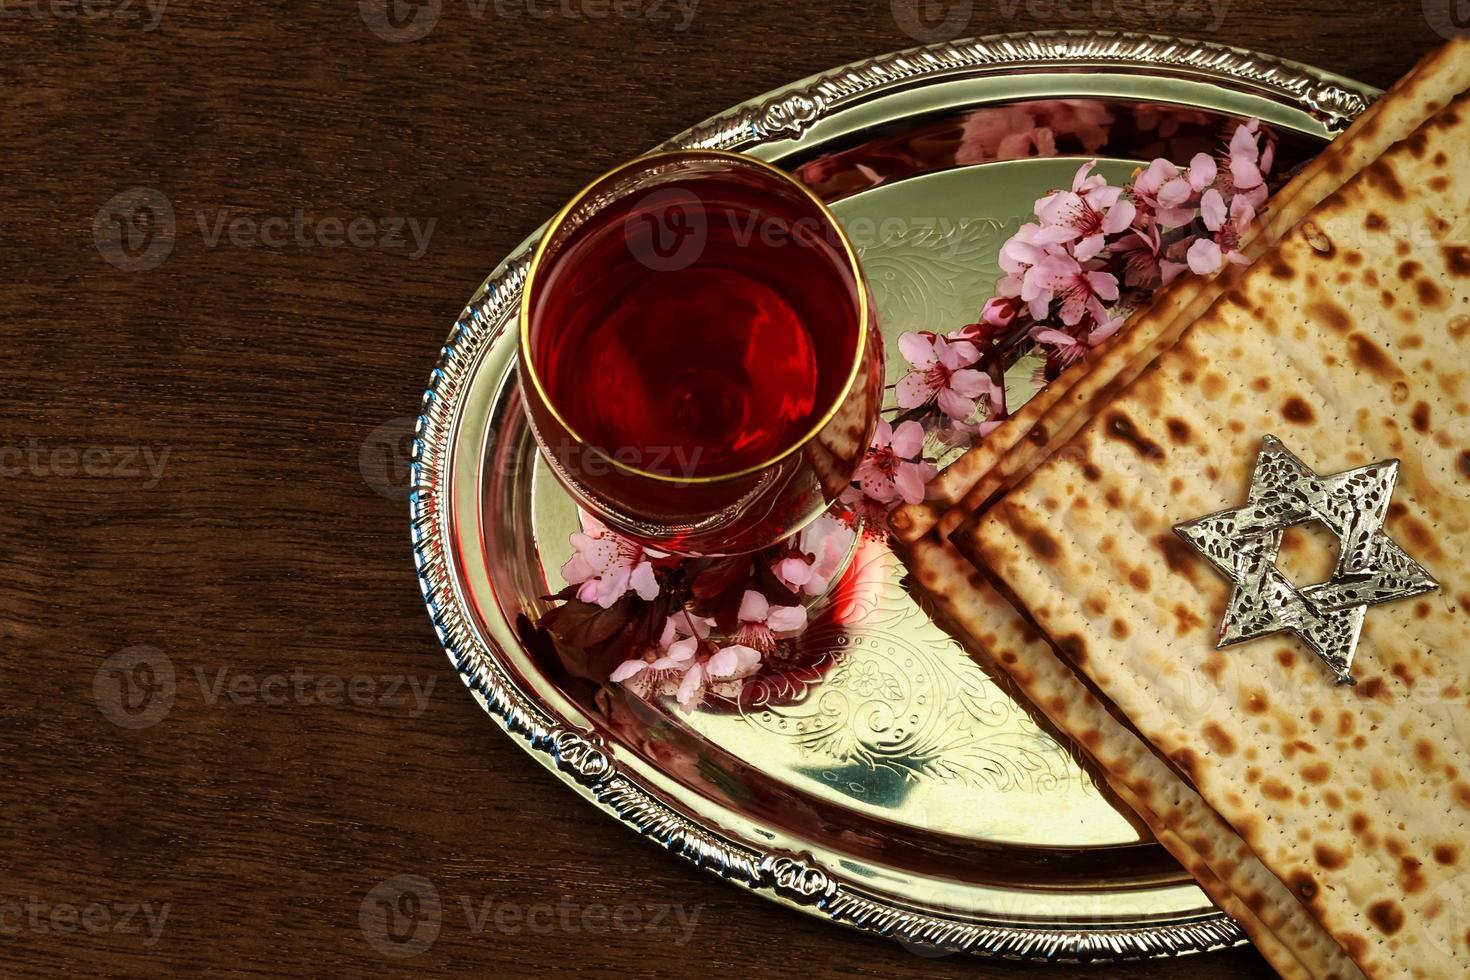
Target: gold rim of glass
528,360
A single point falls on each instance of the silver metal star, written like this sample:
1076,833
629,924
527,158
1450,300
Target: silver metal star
1243,545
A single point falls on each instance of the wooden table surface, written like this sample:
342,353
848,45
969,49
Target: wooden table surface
202,448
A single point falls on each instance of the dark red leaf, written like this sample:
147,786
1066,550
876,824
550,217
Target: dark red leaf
586,624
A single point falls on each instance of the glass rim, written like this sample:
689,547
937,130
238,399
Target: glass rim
864,317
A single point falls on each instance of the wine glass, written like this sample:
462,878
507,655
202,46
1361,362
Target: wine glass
698,354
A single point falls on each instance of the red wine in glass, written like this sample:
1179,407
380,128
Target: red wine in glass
698,353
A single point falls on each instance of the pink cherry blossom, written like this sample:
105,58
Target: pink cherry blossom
1071,348
1089,212
1208,255
893,467
998,312
823,548
1145,265
761,623
661,670
940,371
722,670
606,566
1149,199
864,510
1080,289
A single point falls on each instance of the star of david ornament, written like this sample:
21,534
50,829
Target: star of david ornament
1243,545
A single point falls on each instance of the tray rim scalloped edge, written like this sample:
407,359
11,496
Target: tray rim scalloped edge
580,759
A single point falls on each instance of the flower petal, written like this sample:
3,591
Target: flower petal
909,482
691,689
1212,209
627,669
683,651
955,405
1089,247
908,440
1204,257
1202,171
913,390
794,571
918,350
643,582
786,619
956,353
973,384
1119,217
754,607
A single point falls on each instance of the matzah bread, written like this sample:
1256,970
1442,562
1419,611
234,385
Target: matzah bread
1207,847
1056,412
1351,343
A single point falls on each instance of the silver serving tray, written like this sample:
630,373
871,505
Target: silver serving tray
891,783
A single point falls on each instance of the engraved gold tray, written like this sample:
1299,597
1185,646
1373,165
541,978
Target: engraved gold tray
890,783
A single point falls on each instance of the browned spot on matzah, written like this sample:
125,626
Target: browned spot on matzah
1409,877
1219,739
1457,259
1178,431
1383,174
1371,357
1419,417
1316,773
1298,411
1387,916
1304,885
1331,314
1328,857
1447,854
1178,555
1430,295
1276,789
1121,427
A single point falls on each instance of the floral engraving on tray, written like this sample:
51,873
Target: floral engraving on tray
921,272
891,692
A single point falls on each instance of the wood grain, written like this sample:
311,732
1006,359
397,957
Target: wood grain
268,380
